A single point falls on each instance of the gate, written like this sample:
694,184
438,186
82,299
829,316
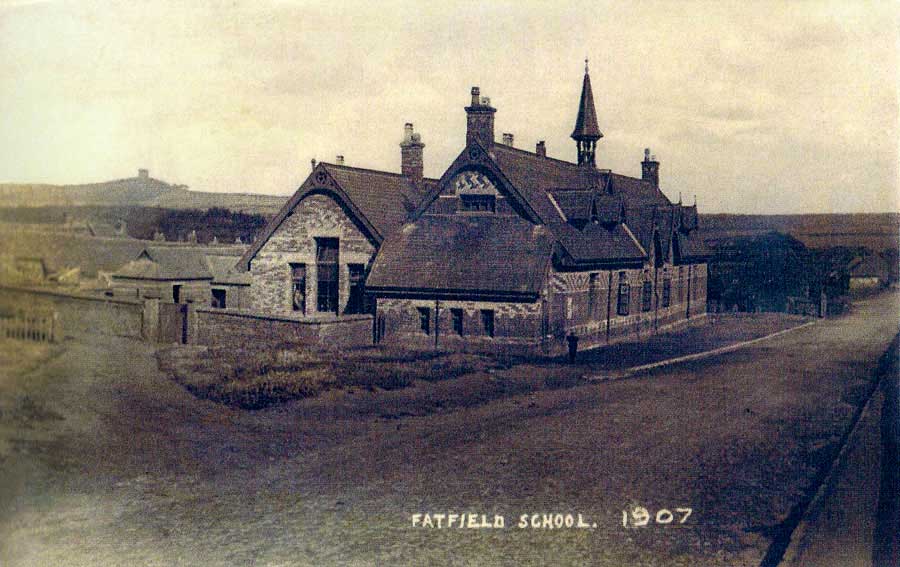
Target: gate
172,323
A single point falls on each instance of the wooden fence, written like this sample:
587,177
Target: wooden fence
30,327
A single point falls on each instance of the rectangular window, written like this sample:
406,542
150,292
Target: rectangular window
327,274
298,288
593,293
218,299
356,302
457,317
680,285
487,321
425,320
647,296
176,293
478,203
624,296
667,292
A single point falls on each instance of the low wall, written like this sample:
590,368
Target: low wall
242,328
79,314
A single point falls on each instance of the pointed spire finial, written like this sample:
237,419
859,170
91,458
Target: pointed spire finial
585,65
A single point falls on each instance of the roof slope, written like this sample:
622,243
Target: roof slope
182,263
381,201
488,254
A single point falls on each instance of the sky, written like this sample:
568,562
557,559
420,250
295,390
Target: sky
754,107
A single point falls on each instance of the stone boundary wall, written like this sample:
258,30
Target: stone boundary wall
245,329
81,314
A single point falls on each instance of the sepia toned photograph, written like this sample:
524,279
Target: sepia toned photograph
482,282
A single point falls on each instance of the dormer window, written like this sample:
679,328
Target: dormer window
478,203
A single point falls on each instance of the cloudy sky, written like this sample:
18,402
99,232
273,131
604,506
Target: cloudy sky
758,108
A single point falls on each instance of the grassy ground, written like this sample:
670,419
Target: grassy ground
253,378
141,472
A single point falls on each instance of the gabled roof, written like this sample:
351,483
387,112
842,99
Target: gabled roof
379,201
489,254
586,123
167,263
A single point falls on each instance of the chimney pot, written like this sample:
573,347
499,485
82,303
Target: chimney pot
144,173
508,139
480,119
339,160
312,162
541,149
650,168
411,155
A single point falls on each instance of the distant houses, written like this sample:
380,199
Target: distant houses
181,274
869,271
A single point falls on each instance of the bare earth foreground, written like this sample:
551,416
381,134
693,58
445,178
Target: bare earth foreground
106,461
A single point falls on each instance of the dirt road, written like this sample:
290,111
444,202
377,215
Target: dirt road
107,462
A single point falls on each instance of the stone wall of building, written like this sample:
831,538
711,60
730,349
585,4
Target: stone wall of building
517,326
568,306
317,216
593,315
192,291
242,328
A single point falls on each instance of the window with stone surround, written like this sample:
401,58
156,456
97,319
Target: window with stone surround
487,321
478,203
327,274
647,295
298,288
456,316
424,319
593,294
356,302
624,296
218,299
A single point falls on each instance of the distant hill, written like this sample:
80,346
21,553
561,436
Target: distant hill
143,191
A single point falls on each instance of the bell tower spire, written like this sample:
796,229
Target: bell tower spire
586,132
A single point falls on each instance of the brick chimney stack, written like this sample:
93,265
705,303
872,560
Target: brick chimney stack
412,164
480,119
508,139
650,168
144,173
541,149
339,160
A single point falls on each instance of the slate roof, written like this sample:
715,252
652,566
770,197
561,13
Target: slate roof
224,270
575,189
490,254
579,217
381,201
183,263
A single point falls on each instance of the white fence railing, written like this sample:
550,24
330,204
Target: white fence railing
30,327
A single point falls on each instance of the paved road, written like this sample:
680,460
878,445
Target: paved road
105,461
